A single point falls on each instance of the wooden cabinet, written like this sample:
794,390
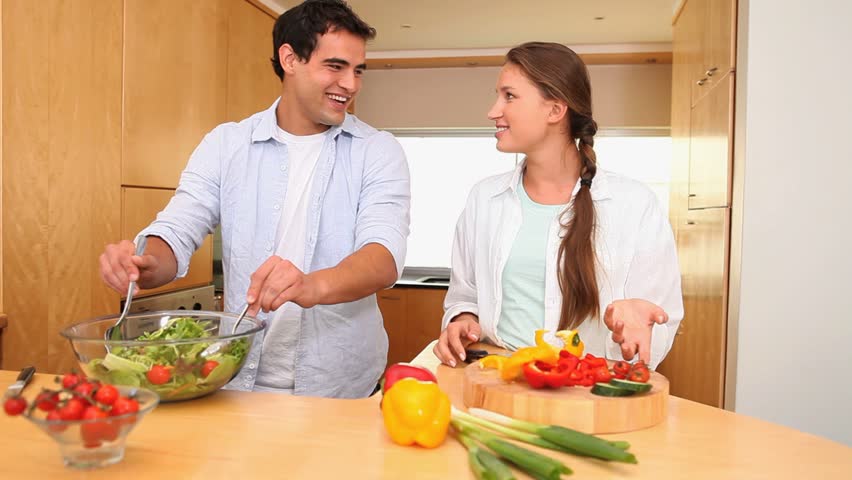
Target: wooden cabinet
139,208
696,364
175,79
709,30
702,137
710,147
252,84
61,142
412,318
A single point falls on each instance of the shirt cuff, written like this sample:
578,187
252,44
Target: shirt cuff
456,310
391,240
181,257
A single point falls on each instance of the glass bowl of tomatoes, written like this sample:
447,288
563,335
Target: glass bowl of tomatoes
179,354
89,420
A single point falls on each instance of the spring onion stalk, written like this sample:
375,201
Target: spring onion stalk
534,463
573,440
484,464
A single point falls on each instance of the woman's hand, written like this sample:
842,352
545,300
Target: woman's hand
462,331
631,322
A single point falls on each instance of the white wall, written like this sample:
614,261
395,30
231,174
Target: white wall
794,305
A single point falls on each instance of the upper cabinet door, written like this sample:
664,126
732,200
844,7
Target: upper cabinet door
175,82
252,83
717,39
710,148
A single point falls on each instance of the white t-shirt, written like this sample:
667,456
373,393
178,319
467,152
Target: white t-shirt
276,370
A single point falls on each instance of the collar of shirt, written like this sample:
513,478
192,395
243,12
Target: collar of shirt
267,127
600,188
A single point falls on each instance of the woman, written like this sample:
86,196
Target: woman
557,241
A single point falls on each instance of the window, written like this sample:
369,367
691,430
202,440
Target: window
445,165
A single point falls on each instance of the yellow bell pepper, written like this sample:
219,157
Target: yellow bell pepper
416,412
511,367
572,341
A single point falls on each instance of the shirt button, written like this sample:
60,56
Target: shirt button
247,385
276,206
269,247
283,168
251,365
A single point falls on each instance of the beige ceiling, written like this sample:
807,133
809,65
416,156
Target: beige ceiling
481,24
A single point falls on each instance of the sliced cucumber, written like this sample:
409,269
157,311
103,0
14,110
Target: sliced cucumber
630,385
607,390
114,362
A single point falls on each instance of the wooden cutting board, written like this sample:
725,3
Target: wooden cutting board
572,407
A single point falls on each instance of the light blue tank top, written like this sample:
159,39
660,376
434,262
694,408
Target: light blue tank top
522,311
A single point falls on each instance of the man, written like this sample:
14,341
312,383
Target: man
314,210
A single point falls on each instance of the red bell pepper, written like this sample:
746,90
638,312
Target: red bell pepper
541,374
398,371
602,374
568,360
594,361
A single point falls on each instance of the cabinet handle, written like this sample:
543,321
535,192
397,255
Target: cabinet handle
387,297
701,82
690,222
710,72
693,195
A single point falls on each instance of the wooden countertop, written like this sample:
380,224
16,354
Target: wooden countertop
233,435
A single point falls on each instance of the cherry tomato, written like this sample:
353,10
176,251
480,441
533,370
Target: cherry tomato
122,406
53,415
91,431
70,380
73,410
85,388
208,367
641,375
106,394
621,367
158,375
15,406
47,401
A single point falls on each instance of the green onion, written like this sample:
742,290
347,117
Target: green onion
526,437
484,464
533,463
582,443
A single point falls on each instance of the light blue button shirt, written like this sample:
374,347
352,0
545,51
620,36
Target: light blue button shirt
361,194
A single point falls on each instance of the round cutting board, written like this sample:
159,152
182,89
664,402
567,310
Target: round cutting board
572,407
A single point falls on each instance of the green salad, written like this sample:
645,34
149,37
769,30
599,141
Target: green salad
175,372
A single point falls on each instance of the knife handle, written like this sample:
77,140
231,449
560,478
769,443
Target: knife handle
26,374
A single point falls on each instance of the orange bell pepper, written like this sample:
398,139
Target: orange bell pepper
416,412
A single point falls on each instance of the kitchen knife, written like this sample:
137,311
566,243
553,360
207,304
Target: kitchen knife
23,379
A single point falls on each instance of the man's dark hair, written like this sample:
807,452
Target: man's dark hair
302,25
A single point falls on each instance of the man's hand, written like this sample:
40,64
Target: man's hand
119,265
277,282
631,322
461,332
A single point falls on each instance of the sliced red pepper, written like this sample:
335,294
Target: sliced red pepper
588,379
541,374
594,361
602,374
568,360
575,377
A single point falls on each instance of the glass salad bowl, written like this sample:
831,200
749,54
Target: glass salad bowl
97,442
179,354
